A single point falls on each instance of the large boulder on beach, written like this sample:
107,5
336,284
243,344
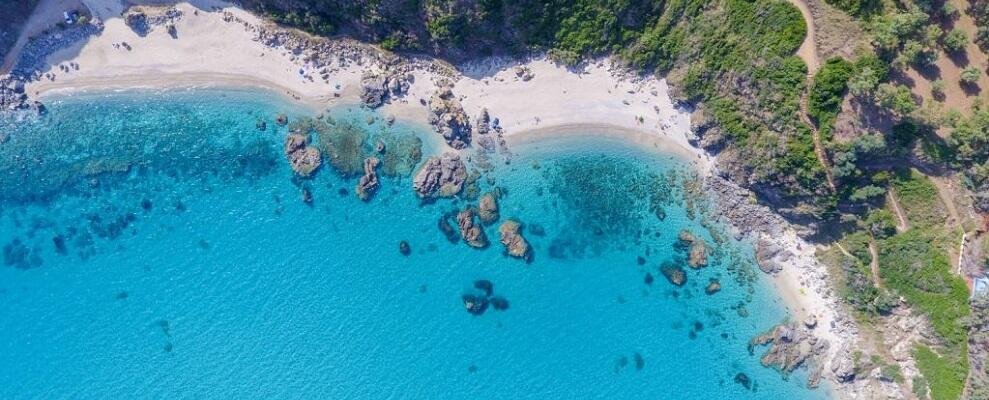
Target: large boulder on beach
303,158
368,183
441,176
770,255
448,118
696,247
511,237
487,208
471,232
374,88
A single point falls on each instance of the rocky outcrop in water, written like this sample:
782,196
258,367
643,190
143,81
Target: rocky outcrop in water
673,273
790,347
471,232
713,286
487,208
368,183
515,244
378,88
448,118
697,249
303,158
442,176
475,305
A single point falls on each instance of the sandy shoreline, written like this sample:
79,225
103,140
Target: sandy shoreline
210,52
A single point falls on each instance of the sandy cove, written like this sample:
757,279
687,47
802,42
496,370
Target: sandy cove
212,51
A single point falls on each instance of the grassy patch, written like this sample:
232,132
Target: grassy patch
945,374
919,199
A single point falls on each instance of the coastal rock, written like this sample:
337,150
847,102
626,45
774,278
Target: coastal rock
303,158
697,249
487,208
790,346
511,237
769,254
378,88
673,273
448,118
469,231
442,176
374,88
137,22
368,183
842,365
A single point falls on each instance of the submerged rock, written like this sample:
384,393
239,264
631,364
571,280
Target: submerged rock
368,183
476,305
303,158
487,208
511,237
713,286
697,249
499,303
673,273
744,380
281,119
447,229
448,118
440,176
484,285
471,232
404,248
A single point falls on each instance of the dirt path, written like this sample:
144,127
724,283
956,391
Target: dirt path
843,251
874,264
902,223
808,49
822,157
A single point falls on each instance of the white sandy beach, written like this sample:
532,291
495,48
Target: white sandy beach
209,51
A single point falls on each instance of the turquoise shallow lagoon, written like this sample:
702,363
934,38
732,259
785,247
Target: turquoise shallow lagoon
155,245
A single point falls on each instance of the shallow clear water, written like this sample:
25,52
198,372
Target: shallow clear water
155,245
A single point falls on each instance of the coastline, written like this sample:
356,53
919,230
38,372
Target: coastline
211,51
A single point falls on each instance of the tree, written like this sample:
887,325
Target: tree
955,41
896,98
863,83
867,193
937,88
970,74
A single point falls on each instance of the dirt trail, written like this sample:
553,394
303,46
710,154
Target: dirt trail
902,223
874,264
822,156
808,49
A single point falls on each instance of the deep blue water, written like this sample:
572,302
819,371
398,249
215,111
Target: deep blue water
155,245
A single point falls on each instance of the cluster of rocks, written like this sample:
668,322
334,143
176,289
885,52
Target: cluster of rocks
735,206
327,56
13,99
378,88
368,183
441,176
673,273
488,134
142,24
31,59
791,346
696,248
303,158
448,118
771,256
476,303
524,73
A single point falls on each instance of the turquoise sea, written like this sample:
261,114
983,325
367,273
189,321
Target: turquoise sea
156,245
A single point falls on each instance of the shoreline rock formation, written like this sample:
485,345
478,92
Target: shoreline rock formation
448,118
790,347
441,176
378,88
